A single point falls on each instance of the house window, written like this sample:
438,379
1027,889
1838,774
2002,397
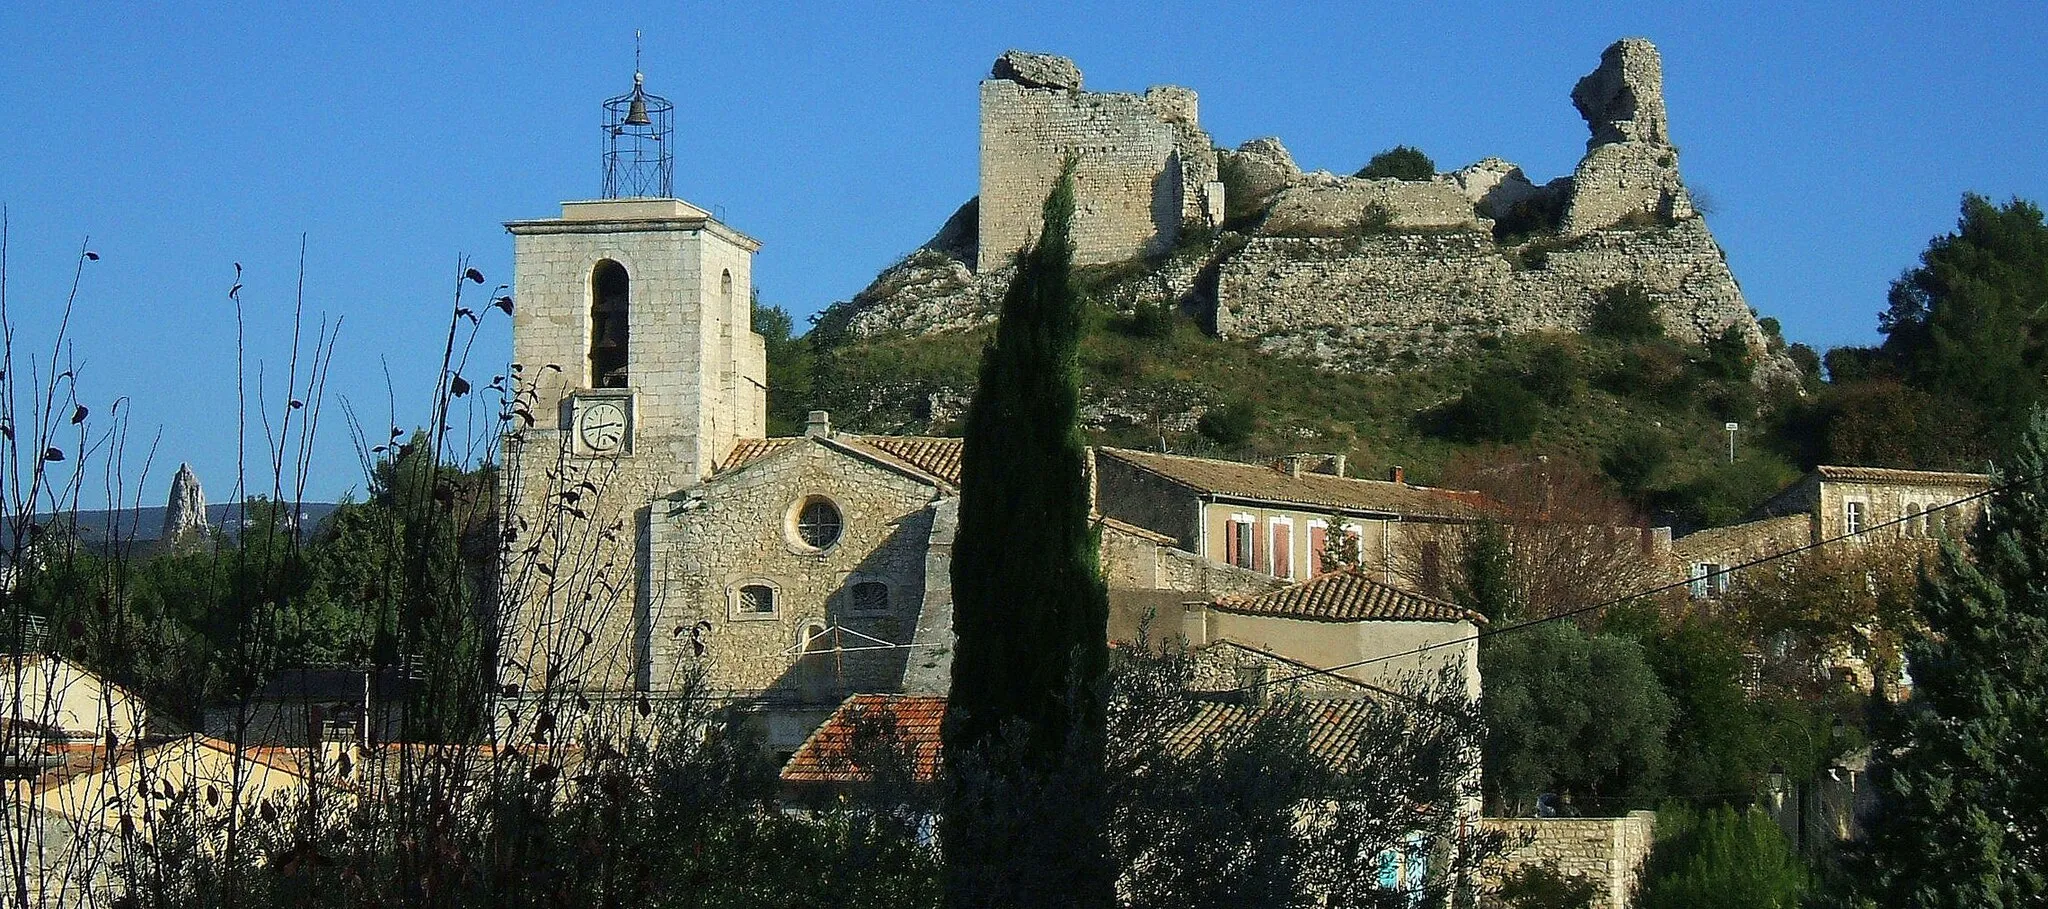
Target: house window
754,600
1852,518
1282,547
1432,568
1911,526
818,523
869,596
1239,541
608,303
1708,579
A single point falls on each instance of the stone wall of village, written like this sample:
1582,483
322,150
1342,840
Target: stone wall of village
1609,850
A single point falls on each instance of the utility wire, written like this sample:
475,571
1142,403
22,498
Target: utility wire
1616,601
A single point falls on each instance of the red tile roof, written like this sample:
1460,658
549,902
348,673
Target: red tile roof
938,457
839,750
1347,595
831,755
1310,491
1894,476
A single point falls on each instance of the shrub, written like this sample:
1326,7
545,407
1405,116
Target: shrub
1230,424
1542,213
1153,321
1721,858
1402,162
1627,312
1495,408
1633,462
1554,373
1544,887
1728,356
1376,218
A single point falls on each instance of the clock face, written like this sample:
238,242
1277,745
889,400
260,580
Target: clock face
602,426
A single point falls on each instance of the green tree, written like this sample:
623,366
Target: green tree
1402,162
1229,425
1494,408
1969,323
1024,735
1720,859
1964,810
1487,582
1571,713
791,365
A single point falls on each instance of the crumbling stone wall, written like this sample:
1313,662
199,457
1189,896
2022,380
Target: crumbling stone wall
1141,161
1387,300
1610,851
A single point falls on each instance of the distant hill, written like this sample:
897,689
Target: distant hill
144,526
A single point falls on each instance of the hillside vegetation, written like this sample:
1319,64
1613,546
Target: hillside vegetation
1645,411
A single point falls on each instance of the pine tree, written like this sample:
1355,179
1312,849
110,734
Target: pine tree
1024,740
1964,818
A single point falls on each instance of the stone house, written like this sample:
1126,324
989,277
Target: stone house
1277,520
1849,506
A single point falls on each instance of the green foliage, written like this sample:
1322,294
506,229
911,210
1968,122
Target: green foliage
1487,582
1728,356
1554,373
1963,811
1883,422
790,368
1536,218
1543,886
1230,425
1627,312
1495,408
1024,713
1637,458
1572,713
1720,859
1968,322
1402,162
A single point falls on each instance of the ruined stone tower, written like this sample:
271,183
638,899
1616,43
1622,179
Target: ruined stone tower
633,338
185,512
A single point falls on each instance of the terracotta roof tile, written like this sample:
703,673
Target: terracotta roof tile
832,754
1312,490
1335,725
939,457
1347,595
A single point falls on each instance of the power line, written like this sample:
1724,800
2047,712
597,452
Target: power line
1616,601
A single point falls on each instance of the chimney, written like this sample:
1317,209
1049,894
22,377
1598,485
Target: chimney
1337,463
1194,623
1251,684
1397,474
1294,466
818,425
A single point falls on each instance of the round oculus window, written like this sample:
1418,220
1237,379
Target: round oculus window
818,523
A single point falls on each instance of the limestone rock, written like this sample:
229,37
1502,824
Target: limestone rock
1623,100
185,512
1260,168
1037,70
1174,103
1493,186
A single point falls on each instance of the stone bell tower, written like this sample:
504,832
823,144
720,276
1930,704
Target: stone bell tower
633,340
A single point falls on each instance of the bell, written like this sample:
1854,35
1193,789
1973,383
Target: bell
636,113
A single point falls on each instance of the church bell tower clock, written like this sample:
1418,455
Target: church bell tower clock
633,339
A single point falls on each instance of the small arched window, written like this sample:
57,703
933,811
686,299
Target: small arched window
725,284
756,599
609,293
869,596
1914,515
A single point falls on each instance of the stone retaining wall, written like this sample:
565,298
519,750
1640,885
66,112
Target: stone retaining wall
1610,850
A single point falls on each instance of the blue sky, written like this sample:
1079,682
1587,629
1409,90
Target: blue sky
1832,140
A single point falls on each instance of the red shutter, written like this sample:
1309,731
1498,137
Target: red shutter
1283,550
1258,549
1316,541
1231,529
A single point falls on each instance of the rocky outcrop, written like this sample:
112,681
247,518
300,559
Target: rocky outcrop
1037,70
185,512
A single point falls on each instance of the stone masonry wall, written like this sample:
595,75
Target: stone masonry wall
1377,302
1608,850
739,528
1141,163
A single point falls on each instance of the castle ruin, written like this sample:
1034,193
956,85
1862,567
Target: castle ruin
1364,273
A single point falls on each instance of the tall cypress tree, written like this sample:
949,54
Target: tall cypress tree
1024,821
1963,769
